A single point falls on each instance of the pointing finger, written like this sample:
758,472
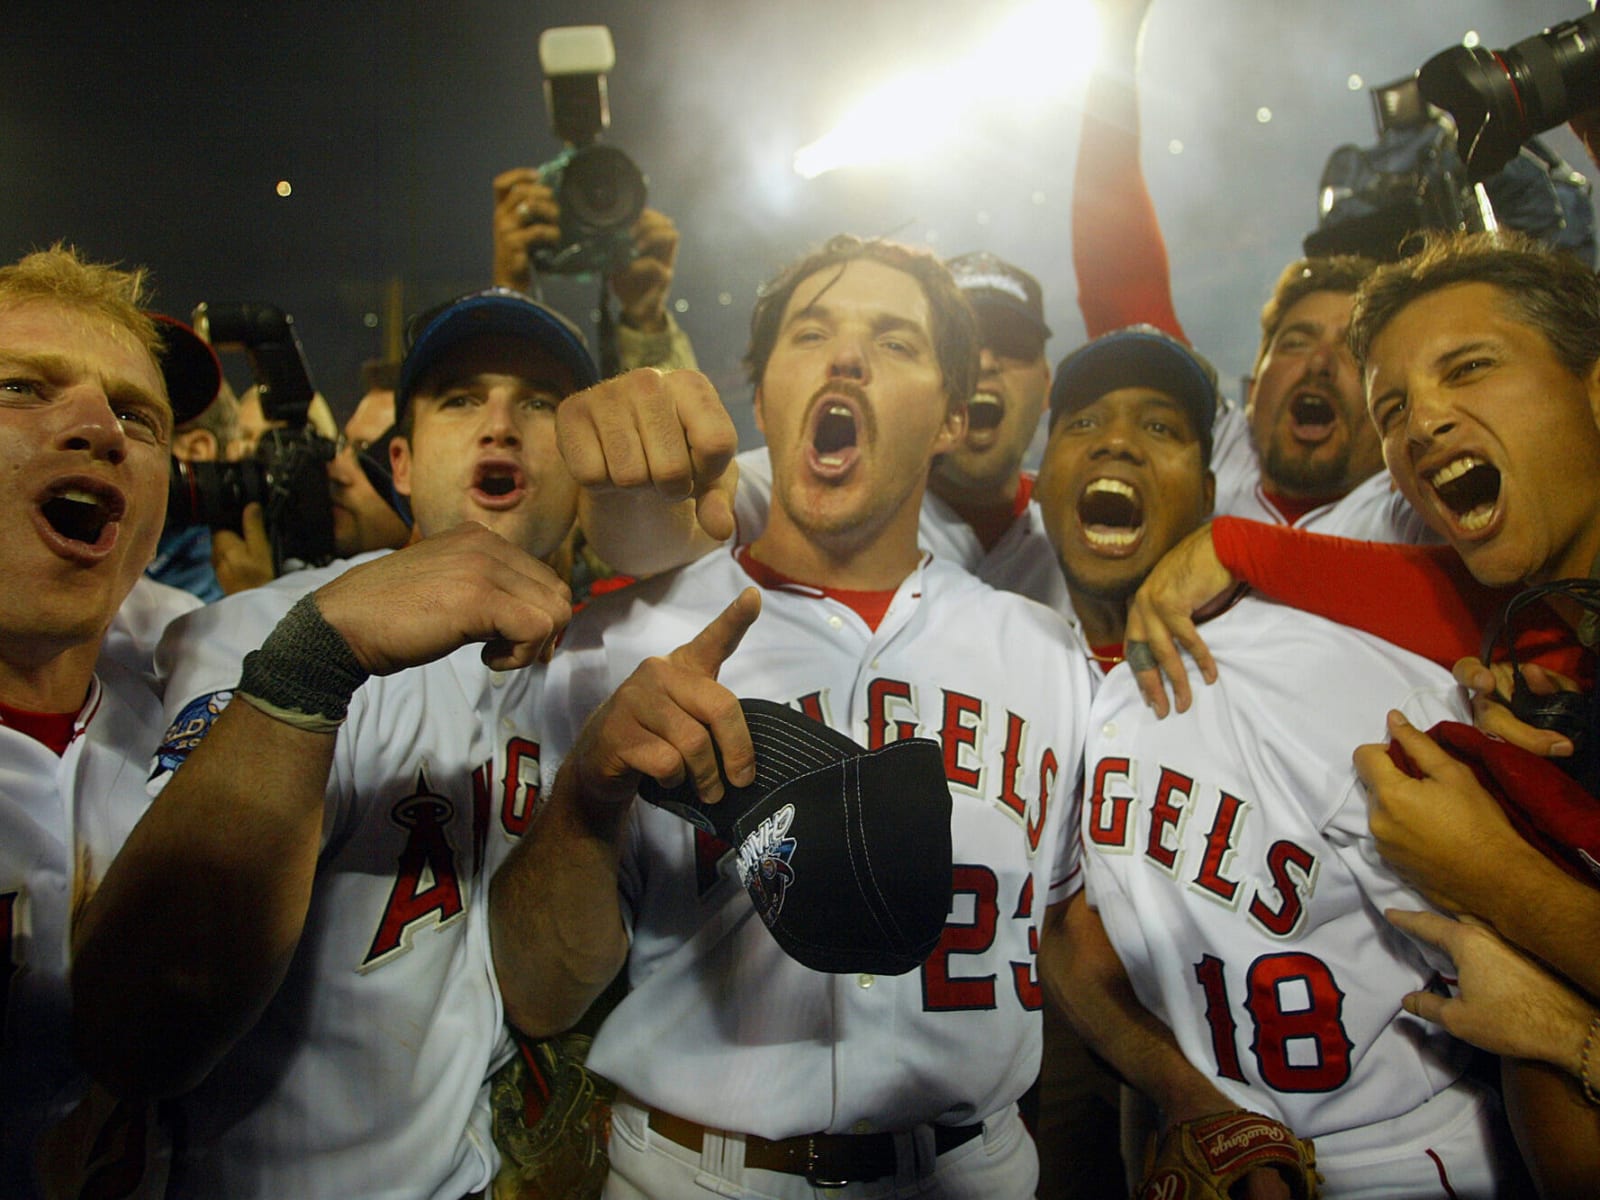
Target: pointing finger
710,648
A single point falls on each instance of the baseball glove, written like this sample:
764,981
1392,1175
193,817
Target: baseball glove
1204,1158
551,1122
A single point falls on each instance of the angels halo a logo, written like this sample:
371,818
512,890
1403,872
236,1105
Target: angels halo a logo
764,863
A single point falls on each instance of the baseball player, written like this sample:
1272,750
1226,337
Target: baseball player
1301,451
1228,858
740,1071
87,428
978,509
309,968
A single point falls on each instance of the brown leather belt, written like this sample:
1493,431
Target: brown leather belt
825,1159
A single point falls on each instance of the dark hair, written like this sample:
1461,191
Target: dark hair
380,375
954,332
1331,273
1547,291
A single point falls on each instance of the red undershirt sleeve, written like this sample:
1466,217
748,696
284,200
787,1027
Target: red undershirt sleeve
1421,598
1117,249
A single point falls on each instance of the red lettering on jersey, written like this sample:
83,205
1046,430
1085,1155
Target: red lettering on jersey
425,814
1219,844
942,989
1108,815
1172,793
9,964
811,705
1011,765
1281,858
957,733
1315,1023
1048,770
1219,1015
879,693
520,795
1029,994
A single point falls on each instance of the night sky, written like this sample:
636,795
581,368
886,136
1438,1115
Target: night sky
156,133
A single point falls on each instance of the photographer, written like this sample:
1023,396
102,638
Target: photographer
184,555
1301,452
364,515
527,217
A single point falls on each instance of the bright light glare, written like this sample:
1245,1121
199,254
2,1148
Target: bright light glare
1022,62
284,187
1470,39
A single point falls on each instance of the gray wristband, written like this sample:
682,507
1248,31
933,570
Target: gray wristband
304,673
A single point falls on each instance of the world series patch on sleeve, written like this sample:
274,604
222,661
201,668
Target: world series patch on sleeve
1204,1158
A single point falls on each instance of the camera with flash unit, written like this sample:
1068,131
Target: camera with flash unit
599,189
287,475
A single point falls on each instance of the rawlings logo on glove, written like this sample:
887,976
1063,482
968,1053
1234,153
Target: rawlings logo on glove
1204,1158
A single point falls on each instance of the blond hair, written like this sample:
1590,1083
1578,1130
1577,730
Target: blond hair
59,276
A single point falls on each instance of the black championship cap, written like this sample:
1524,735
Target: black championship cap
845,851
190,367
1138,356
492,311
990,282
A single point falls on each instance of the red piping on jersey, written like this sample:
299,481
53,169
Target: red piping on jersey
869,606
1290,508
1444,1178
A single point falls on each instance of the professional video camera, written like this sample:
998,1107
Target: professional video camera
1501,98
600,191
288,474
1373,199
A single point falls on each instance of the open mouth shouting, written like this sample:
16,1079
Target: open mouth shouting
80,517
1469,489
1312,417
1111,516
498,484
985,411
834,443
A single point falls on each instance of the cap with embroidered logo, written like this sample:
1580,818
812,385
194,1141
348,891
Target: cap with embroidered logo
994,286
845,851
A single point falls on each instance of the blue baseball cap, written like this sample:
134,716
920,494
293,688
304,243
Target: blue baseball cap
1138,356
434,333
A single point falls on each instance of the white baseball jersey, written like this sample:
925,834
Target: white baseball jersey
1227,852
137,628
366,1074
1372,511
1022,561
62,820
721,1026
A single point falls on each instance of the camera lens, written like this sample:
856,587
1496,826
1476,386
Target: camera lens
212,493
1500,99
601,192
